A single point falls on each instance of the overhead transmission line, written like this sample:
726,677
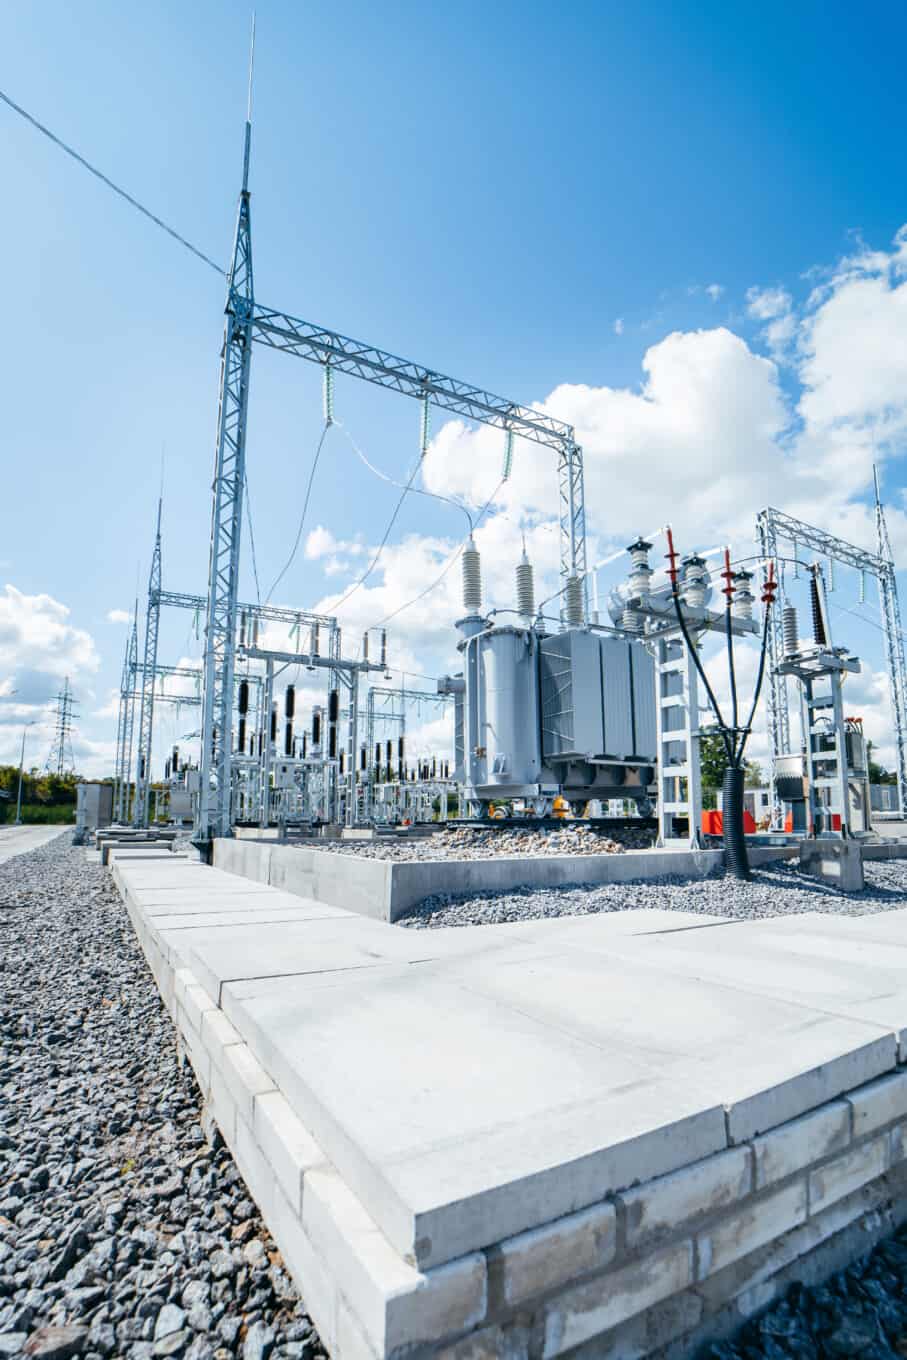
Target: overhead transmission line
98,174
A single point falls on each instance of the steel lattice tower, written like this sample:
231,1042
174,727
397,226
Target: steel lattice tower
126,723
894,644
226,525
149,671
60,758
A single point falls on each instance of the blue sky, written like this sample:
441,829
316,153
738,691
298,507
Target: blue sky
534,197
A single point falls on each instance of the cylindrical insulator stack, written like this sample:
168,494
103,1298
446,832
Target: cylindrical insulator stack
640,576
789,630
377,762
818,621
333,719
342,762
525,588
446,769
166,769
316,728
273,724
255,631
314,640
389,759
363,758
241,736
694,581
384,647
573,601
365,646
243,697
288,738
289,702
401,757
434,766
175,760
631,621
305,744
472,578
743,595
242,629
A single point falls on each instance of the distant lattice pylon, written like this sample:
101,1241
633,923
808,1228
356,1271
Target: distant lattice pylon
60,759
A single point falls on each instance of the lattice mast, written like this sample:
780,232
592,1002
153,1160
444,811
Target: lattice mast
149,672
126,723
226,522
60,758
894,644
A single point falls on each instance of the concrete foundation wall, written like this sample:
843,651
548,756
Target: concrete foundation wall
653,1268
387,889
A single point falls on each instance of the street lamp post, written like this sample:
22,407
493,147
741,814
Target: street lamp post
18,821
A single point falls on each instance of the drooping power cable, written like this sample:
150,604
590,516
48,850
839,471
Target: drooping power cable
133,202
305,506
415,490
447,567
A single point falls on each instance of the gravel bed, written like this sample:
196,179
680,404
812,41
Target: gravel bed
778,889
860,1311
122,1231
477,843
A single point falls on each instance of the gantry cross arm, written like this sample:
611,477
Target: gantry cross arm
321,346
827,545
268,613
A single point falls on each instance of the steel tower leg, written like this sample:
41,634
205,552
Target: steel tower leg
897,674
124,725
776,701
894,645
572,520
226,524
149,673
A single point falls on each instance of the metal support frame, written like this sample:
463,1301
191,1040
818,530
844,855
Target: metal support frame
226,524
247,321
149,665
773,526
126,724
679,778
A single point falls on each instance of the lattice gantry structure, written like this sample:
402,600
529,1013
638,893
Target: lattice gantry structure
248,322
126,724
149,665
775,530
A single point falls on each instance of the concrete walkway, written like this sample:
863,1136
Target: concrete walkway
15,840
413,1108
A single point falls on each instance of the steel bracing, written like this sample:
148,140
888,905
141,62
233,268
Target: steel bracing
894,644
149,672
60,759
774,527
246,321
126,723
226,523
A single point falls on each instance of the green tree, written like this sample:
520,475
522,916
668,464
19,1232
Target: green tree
754,778
712,760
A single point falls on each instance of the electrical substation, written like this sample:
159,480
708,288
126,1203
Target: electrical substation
550,1004
571,714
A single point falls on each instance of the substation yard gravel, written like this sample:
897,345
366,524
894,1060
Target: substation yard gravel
466,842
122,1232
778,889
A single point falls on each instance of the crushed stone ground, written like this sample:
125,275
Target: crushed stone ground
122,1233
777,889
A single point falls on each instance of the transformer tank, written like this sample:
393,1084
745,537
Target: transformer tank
539,715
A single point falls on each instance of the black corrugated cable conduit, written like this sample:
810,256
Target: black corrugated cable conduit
735,856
